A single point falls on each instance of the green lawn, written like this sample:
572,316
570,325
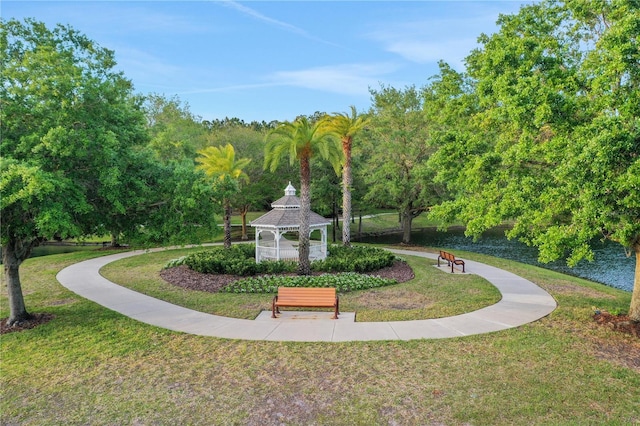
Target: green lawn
93,366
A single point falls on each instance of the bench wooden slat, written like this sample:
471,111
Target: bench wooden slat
305,297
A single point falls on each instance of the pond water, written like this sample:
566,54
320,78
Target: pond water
611,266
58,249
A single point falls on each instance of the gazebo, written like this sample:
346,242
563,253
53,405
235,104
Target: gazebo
271,228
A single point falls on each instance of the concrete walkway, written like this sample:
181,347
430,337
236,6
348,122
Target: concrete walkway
522,302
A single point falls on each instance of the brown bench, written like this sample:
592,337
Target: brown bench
451,260
302,297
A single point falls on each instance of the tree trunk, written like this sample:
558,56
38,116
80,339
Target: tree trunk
407,218
304,263
227,223
347,181
243,214
335,221
634,310
13,254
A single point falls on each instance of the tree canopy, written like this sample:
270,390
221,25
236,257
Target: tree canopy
397,172
555,133
74,158
227,172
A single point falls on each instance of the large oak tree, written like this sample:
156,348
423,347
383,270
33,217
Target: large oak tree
74,161
555,141
397,171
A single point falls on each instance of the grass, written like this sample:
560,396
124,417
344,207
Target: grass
386,221
431,294
93,366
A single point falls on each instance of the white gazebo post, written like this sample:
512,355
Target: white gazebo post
285,217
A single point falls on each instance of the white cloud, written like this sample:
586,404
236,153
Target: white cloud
139,65
424,51
274,22
351,79
259,16
347,79
433,39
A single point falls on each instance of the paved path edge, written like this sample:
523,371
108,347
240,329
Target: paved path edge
522,302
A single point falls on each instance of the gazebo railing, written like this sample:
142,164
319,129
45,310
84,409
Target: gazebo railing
317,250
267,250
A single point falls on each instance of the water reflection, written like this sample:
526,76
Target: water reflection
611,266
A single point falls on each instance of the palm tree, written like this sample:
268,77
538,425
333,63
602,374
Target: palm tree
221,163
345,127
300,141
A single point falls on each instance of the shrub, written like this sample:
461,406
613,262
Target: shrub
349,263
343,282
354,259
237,260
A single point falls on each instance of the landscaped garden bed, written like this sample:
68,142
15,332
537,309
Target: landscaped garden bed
235,270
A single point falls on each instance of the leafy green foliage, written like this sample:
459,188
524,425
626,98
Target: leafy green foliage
175,133
71,128
398,174
551,137
352,262
344,282
76,159
239,259
302,140
226,174
354,259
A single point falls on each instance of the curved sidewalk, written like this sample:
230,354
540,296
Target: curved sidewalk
522,302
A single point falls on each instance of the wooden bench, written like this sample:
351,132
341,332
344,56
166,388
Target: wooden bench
451,260
302,297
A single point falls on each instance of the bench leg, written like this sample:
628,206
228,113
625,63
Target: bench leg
273,307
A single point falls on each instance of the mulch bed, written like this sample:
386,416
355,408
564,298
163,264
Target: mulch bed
620,323
184,277
33,322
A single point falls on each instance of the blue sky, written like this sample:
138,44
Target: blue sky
264,60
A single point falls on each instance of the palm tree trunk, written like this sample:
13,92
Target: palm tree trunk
347,181
227,223
304,264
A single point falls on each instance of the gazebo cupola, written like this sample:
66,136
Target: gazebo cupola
271,228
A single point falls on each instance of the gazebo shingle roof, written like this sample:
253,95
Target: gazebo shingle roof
286,213
281,218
